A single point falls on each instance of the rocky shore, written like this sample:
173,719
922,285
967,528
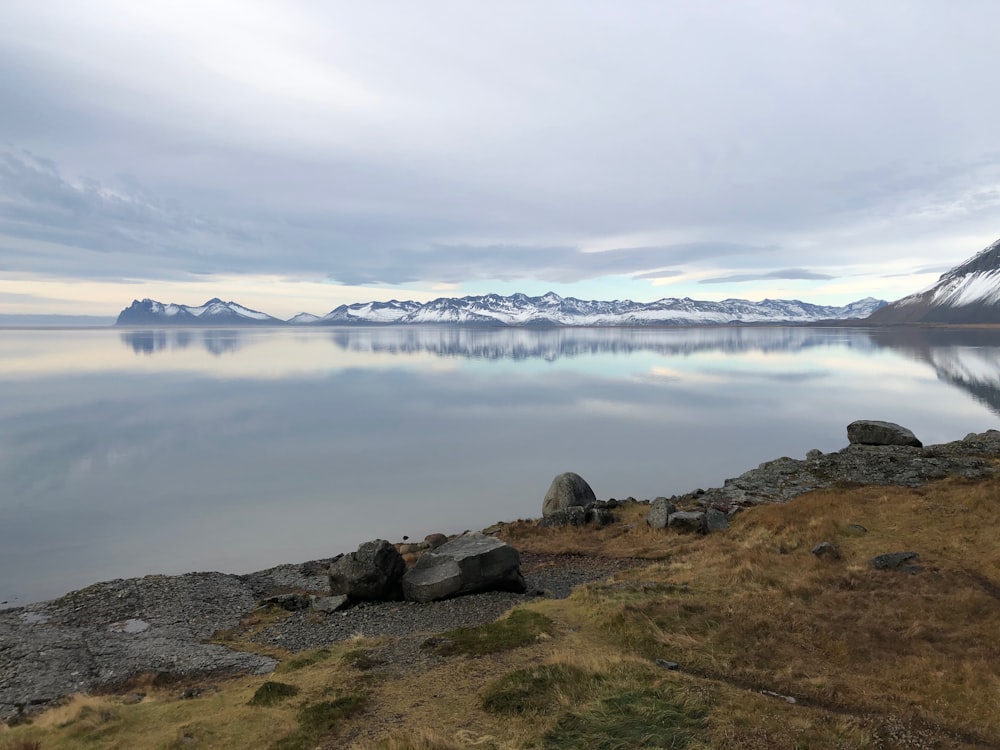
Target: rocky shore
101,636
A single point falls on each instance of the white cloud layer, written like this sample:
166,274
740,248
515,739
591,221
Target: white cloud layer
829,150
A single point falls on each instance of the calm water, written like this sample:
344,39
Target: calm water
127,453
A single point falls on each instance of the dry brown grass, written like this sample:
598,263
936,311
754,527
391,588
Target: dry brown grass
874,659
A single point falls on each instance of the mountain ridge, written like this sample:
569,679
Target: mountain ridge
967,294
515,310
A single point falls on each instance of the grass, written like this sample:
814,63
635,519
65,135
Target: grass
650,719
520,628
536,689
874,659
319,719
273,693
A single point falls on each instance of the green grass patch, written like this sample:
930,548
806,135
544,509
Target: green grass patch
271,693
305,659
538,689
361,659
319,719
650,719
521,627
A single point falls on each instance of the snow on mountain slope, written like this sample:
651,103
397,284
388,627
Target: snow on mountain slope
968,293
213,312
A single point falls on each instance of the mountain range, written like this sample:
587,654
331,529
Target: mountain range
969,293
516,310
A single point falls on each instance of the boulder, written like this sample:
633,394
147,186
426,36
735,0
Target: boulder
687,521
716,520
659,512
373,573
874,432
465,565
567,490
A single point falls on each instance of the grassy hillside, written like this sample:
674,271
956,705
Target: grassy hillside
741,639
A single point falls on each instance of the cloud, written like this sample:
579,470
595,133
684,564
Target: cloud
317,140
786,273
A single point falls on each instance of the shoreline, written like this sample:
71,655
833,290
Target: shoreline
107,633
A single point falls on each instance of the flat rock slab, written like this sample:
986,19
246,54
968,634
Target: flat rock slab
103,635
894,561
876,432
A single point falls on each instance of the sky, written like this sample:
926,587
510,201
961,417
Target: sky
294,156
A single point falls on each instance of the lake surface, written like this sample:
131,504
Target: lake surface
124,453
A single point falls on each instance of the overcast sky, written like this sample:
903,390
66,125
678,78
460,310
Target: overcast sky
297,155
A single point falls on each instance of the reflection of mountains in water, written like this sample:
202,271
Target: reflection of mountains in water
965,358
969,359
214,341
554,343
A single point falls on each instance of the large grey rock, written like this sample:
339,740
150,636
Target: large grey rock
659,512
465,565
567,490
874,432
373,573
716,520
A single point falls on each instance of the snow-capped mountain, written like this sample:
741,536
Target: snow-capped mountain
551,309
516,310
215,312
968,293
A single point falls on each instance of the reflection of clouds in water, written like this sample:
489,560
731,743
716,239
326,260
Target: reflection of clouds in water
126,465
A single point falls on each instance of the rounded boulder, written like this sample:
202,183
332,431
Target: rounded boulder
567,490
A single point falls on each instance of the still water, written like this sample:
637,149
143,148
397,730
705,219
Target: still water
124,453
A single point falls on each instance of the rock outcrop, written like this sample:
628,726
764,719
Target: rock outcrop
465,565
567,489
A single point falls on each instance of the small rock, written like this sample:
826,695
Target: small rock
894,561
289,602
875,432
814,455
857,527
191,693
574,515
687,521
659,512
826,550
132,698
328,604
435,540
599,516
667,664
